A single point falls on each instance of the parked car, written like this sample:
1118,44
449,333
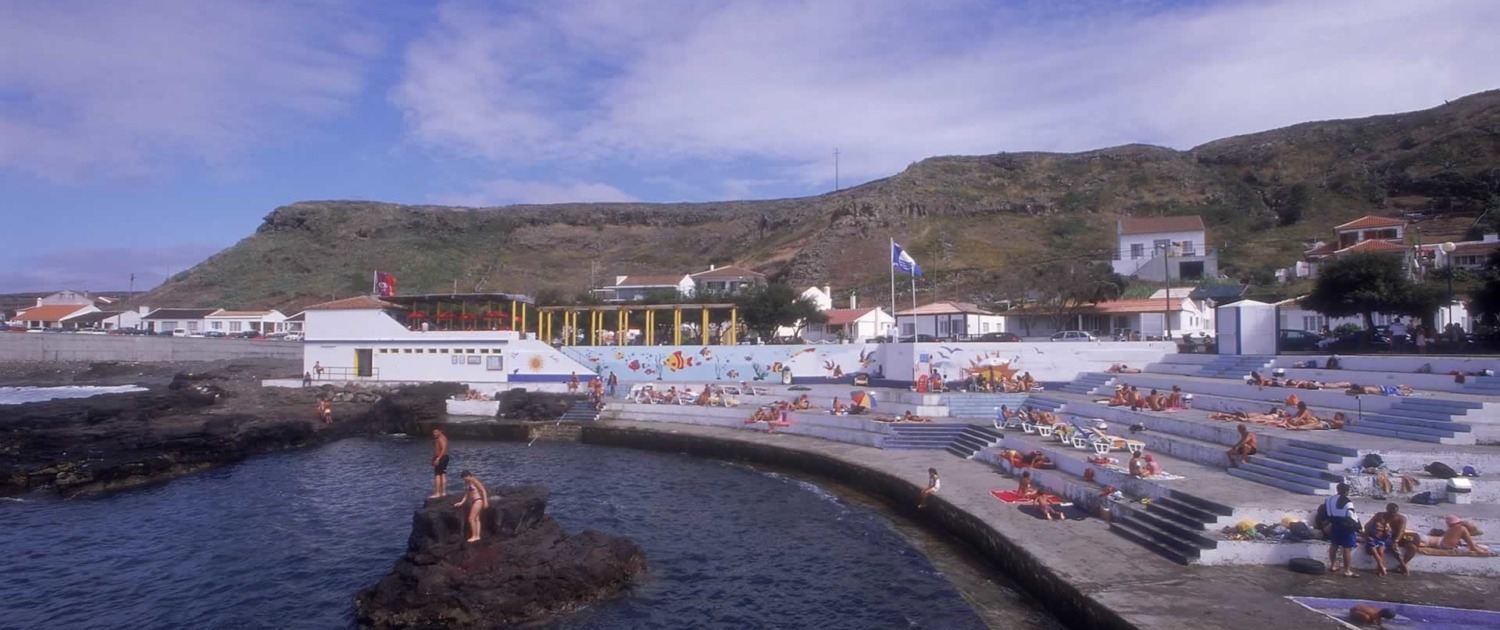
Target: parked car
998,336
293,336
1073,335
245,334
1354,341
214,334
1290,340
918,339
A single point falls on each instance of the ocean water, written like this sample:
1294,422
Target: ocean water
284,541
19,395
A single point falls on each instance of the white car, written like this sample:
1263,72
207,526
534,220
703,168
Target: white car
1073,335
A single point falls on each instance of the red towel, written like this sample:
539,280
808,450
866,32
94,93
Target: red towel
1010,496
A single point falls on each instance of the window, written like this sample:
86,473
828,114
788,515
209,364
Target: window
908,330
444,351
218,325
1314,322
234,326
192,326
1137,250
943,326
1187,248
1160,246
406,350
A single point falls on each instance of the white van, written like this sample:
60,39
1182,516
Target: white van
180,332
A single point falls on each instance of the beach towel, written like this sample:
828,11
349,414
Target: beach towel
1010,496
1455,553
1068,510
1166,476
1390,390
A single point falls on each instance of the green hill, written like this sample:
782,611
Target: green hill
975,223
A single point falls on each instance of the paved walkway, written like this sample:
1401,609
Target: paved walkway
1146,590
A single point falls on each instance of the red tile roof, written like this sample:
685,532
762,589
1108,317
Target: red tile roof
1144,305
946,308
1471,248
358,303
1373,245
1370,221
1153,225
842,316
1322,249
49,313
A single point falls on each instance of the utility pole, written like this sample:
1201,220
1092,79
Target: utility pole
1166,267
835,170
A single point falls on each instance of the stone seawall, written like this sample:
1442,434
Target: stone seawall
74,347
1056,593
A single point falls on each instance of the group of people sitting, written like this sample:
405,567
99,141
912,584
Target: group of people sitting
1143,465
1045,502
1130,396
474,394
1019,384
905,417
776,416
1300,419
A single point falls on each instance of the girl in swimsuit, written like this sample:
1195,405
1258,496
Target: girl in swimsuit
478,498
933,483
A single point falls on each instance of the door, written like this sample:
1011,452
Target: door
363,357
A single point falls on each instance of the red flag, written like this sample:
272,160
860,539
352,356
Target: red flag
385,284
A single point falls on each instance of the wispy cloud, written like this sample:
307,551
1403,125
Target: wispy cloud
662,86
118,89
100,269
498,192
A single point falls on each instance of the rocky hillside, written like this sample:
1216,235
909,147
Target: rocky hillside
975,223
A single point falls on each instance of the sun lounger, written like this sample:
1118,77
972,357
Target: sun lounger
732,389
756,390
1028,428
1046,430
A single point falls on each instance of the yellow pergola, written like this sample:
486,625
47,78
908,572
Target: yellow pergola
600,320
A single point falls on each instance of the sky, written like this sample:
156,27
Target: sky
139,137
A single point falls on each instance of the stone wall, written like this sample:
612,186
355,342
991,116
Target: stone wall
76,347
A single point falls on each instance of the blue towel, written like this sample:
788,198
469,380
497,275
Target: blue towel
1390,390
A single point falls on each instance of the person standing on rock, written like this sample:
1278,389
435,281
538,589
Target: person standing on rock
478,498
439,464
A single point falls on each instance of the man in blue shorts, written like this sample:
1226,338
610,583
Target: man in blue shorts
1343,530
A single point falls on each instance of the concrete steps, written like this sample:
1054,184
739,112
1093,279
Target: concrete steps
922,436
973,405
974,439
1174,526
581,411
1088,383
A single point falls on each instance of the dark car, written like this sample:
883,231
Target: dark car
999,336
245,334
918,339
1298,341
1354,341
214,333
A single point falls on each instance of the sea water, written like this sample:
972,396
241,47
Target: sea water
19,395
285,540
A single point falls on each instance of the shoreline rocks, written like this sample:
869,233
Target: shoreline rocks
524,569
184,423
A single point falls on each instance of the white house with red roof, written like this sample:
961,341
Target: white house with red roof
635,287
948,320
49,316
1369,233
231,322
1150,247
726,280
851,325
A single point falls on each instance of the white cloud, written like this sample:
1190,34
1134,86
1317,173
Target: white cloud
499,192
890,82
119,88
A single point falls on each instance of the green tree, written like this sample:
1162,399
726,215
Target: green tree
1066,288
765,307
1363,284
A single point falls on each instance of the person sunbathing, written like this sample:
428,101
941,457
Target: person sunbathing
1155,401
1459,534
1303,419
1137,465
1274,417
782,419
1023,485
838,408
910,417
762,414
1120,398
1045,502
1153,467
1243,448
1379,390
803,403
1027,383
1256,379
1043,417
1121,368
705,397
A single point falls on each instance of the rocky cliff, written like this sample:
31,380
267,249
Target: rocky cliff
973,222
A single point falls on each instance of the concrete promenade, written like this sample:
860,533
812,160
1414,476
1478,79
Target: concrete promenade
52,347
1080,571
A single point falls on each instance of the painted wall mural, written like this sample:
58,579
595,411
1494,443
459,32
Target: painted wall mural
728,363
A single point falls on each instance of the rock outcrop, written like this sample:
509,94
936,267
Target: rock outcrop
525,567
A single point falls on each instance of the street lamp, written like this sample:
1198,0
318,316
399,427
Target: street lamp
1448,248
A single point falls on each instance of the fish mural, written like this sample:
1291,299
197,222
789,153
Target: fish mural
634,365
677,361
619,356
732,374
706,353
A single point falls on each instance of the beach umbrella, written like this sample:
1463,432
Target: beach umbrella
862,398
417,315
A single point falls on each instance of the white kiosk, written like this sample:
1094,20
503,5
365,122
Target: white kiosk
1246,327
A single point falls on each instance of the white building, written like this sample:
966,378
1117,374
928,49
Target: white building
1369,233
229,322
634,288
1142,242
358,339
852,325
50,316
1292,316
948,320
105,320
821,296
166,320
726,280
1154,317
1466,255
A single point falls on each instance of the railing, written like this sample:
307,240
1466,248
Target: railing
335,373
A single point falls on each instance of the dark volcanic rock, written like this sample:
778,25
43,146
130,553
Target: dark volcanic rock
524,568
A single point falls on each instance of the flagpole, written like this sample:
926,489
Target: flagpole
895,322
375,283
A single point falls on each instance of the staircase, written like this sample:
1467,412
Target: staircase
914,436
1482,385
1175,526
1419,419
1087,383
1046,404
581,411
966,405
1235,366
974,439
555,432
1300,467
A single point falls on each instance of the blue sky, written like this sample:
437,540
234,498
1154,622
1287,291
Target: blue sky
140,137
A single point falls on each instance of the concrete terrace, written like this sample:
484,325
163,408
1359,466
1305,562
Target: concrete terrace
1145,590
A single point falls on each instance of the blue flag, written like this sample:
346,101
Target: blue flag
903,261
